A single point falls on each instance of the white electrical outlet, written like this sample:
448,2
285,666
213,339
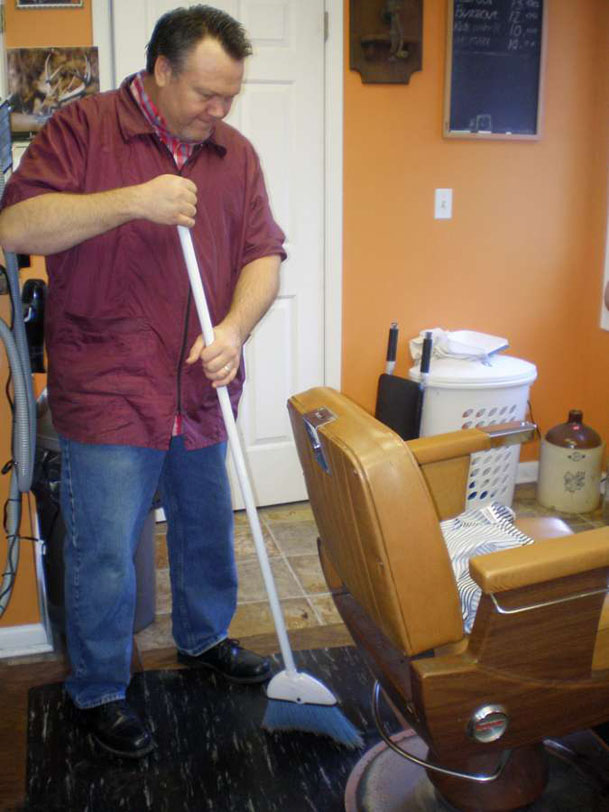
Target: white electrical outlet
443,204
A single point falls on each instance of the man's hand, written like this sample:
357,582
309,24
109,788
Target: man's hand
57,221
221,359
255,291
168,200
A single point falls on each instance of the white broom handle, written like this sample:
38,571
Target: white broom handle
236,452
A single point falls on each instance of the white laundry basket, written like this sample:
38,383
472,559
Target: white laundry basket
462,394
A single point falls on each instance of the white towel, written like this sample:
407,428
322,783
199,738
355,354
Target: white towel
463,344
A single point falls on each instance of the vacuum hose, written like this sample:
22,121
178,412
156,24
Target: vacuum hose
22,442
24,422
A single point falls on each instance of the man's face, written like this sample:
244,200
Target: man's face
201,94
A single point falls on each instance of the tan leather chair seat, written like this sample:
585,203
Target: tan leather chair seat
543,527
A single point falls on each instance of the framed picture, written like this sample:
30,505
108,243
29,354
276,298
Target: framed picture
42,80
49,3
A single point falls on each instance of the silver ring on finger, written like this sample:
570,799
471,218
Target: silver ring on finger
227,368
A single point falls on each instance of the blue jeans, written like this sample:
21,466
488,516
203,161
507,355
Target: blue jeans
106,493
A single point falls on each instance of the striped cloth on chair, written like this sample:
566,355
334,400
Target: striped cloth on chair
477,532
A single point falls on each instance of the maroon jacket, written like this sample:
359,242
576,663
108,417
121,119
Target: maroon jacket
119,316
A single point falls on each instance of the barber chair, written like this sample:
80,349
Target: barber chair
479,711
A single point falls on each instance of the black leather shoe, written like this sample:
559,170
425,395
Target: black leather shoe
233,662
118,729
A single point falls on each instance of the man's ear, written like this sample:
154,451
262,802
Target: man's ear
162,71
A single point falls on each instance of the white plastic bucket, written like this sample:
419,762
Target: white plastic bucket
463,394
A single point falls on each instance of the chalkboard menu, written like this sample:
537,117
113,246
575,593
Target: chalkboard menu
494,68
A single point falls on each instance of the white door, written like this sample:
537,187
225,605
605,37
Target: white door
281,110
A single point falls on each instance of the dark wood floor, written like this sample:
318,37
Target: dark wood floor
17,679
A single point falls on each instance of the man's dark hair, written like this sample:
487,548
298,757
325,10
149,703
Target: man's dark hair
179,31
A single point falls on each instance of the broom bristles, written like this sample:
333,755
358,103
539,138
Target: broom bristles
323,720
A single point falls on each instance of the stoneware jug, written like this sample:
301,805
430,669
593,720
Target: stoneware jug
570,467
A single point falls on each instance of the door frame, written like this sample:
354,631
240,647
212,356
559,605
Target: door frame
333,169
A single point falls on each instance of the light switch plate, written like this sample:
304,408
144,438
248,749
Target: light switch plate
443,204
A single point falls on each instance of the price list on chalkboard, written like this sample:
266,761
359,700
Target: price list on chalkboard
495,64
479,25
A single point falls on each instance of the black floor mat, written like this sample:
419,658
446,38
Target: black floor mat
212,753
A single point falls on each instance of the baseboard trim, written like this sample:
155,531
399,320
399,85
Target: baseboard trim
527,472
19,641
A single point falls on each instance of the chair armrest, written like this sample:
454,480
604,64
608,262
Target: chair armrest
444,460
464,442
440,447
540,608
546,560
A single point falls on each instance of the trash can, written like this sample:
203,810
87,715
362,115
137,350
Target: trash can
463,394
45,486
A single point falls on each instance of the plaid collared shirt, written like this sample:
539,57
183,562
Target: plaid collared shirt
181,150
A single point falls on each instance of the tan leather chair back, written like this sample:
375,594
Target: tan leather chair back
377,523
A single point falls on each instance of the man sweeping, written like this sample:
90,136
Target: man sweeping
131,382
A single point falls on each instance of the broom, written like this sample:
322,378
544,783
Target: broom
297,701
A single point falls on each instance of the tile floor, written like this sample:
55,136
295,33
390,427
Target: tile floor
291,540
526,504
290,536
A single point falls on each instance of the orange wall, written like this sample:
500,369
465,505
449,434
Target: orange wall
32,28
522,256
36,28
593,344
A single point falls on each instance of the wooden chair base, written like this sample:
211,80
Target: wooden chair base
577,778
